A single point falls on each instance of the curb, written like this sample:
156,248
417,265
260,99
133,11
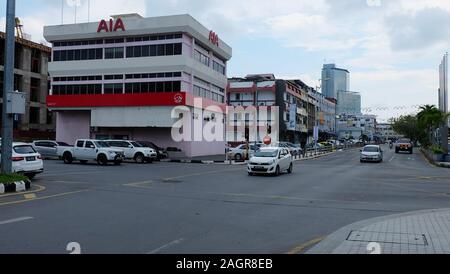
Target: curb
335,239
432,162
15,187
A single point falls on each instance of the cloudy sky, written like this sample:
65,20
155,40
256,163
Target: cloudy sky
392,47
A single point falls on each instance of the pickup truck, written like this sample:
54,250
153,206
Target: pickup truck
91,150
134,151
404,145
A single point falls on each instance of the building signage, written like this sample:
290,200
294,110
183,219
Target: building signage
111,26
293,118
214,38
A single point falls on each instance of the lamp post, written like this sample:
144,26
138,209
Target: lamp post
8,87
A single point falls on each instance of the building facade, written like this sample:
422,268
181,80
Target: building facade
30,77
386,132
122,78
348,103
334,80
264,90
355,126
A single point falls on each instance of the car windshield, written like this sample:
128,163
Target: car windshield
102,144
370,149
267,153
135,144
24,150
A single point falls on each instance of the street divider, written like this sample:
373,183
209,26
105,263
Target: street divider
20,186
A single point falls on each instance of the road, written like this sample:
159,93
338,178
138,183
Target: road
195,209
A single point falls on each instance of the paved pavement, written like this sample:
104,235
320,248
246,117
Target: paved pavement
192,209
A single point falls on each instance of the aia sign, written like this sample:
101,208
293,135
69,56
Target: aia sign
214,38
111,26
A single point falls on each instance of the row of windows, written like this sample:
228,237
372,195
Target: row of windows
201,92
201,58
154,50
155,37
145,87
219,67
77,89
117,77
117,40
78,78
153,75
77,55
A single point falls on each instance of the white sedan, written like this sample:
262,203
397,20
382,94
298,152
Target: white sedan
270,160
26,161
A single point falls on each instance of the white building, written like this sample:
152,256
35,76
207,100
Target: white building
121,78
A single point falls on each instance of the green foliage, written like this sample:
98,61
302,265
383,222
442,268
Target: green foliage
11,178
408,126
436,149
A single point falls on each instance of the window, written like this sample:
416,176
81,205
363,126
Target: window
114,53
80,143
89,144
34,115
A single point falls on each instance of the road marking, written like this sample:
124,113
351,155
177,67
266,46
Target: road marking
393,157
16,220
140,184
44,197
30,196
40,188
179,241
299,249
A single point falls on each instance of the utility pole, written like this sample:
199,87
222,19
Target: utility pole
8,87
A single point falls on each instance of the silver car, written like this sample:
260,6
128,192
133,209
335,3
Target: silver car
47,148
372,153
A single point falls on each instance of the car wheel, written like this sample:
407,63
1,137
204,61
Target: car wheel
396,151
83,162
139,158
238,157
277,171
67,158
291,168
250,174
102,160
30,176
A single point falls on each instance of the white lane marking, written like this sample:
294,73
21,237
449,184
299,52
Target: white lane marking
179,241
392,159
16,220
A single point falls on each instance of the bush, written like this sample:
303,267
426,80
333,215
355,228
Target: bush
11,178
436,149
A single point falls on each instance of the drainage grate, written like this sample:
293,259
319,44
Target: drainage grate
387,237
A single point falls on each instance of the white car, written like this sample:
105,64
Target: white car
134,151
48,148
91,150
270,160
238,153
25,160
372,153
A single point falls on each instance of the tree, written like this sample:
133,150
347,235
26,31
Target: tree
430,118
408,126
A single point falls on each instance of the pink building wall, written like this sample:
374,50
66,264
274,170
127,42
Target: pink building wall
72,125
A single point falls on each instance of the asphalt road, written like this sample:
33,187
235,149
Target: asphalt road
196,209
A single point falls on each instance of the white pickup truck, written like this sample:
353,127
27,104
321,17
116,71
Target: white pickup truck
134,151
91,150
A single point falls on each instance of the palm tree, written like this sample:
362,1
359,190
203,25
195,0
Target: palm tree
430,118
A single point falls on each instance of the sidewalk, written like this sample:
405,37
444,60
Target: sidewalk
420,232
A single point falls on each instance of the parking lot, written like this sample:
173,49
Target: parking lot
195,208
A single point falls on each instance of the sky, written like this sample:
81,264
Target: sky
391,47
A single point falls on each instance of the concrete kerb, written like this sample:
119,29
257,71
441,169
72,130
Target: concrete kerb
334,240
19,186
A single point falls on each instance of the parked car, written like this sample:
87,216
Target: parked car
134,151
26,160
371,153
48,148
270,160
239,153
404,144
91,150
293,149
161,152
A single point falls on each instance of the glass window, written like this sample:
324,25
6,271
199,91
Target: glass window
98,53
137,51
167,86
160,87
153,50
169,49
176,86
128,88
161,50
109,88
152,87
145,51
80,143
109,53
